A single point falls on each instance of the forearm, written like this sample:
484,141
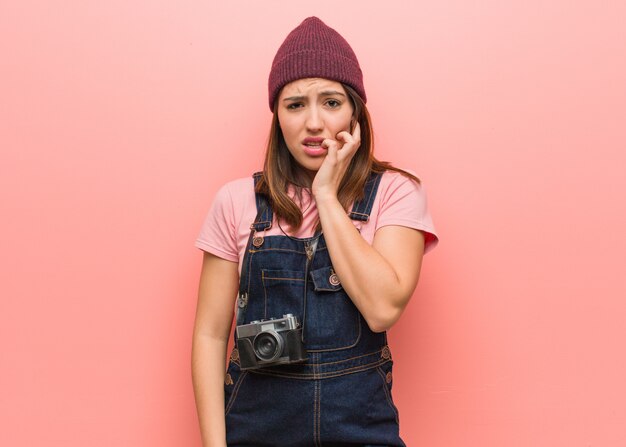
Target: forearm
366,276
208,359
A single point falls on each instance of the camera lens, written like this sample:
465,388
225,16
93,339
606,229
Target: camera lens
268,346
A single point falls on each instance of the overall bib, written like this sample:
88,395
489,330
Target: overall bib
341,395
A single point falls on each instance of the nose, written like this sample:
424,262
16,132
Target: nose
314,120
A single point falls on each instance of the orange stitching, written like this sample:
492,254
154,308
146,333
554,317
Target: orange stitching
343,347
326,375
279,249
346,360
381,373
264,293
233,396
315,414
284,279
249,270
318,387
269,272
319,412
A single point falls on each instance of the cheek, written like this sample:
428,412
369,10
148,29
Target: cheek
343,123
347,117
287,128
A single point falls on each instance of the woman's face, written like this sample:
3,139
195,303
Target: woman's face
309,111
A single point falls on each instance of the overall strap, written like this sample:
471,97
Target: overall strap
362,208
265,215
262,222
242,295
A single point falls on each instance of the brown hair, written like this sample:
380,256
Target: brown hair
281,169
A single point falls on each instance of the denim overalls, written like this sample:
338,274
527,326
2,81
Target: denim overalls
341,395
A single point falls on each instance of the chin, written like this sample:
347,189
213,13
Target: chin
310,165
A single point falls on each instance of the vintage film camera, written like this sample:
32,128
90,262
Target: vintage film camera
276,341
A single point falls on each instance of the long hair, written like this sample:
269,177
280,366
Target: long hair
281,169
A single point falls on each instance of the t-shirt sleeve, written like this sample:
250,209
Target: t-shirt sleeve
218,235
404,203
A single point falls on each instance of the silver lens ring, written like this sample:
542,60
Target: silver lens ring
268,345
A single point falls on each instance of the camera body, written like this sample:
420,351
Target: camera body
276,341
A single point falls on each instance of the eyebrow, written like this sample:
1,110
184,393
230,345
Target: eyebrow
324,93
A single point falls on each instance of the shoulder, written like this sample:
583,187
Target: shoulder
235,192
238,187
233,199
402,201
394,183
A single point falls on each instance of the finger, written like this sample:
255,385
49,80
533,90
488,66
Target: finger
354,137
344,136
356,133
350,146
332,147
329,143
347,140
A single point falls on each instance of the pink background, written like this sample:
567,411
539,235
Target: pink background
119,120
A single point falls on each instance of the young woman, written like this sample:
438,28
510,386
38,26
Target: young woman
319,253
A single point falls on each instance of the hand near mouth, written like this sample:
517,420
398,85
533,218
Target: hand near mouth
335,164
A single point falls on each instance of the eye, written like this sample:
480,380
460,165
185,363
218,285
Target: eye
294,105
333,103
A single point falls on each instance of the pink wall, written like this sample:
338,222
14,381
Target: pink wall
118,121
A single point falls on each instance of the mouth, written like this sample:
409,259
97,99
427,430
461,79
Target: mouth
314,142
313,146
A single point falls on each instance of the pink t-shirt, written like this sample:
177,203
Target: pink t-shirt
225,232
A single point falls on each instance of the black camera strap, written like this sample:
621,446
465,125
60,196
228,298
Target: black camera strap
242,296
310,248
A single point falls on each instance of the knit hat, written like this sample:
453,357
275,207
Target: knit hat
314,50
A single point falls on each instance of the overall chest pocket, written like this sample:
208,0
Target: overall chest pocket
332,322
283,292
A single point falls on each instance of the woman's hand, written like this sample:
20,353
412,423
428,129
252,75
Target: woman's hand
335,165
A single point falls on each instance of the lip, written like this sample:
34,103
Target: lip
313,140
312,146
314,151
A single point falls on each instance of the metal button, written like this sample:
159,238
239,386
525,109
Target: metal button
385,353
242,301
334,280
228,380
388,377
257,241
234,356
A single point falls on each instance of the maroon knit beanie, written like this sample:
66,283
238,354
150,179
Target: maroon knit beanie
314,50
